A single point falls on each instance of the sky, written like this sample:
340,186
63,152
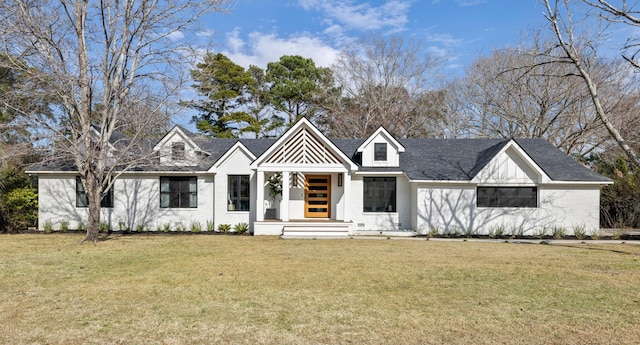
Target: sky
255,32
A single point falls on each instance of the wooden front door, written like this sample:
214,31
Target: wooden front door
317,196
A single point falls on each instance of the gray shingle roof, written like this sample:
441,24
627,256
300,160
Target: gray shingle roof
423,159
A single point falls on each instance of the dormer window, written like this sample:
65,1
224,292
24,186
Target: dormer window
177,151
380,152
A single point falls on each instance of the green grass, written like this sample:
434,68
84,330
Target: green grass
262,290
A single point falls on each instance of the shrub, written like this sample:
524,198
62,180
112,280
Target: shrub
103,227
541,232
166,227
64,225
617,234
579,231
595,234
558,232
20,209
468,232
241,228
81,226
433,231
224,228
210,225
518,232
139,227
196,227
180,227
48,227
497,231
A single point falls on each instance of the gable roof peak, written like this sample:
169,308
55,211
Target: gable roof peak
390,138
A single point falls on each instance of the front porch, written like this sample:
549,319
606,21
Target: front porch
303,228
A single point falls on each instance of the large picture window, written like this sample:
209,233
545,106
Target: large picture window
178,192
379,194
238,193
83,201
507,197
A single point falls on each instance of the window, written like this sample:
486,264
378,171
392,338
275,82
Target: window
379,194
177,151
380,152
507,197
238,193
83,201
178,192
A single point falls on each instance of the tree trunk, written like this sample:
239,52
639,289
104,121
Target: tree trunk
92,189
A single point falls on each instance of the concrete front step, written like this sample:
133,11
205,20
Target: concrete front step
316,230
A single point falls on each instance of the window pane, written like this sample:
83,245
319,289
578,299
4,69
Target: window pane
179,192
238,193
380,152
379,194
507,197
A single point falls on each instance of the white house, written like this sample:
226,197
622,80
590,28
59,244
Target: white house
340,187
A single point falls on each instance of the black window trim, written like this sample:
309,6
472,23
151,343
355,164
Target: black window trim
179,193
388,200
106,202
238,202
515,198
377,158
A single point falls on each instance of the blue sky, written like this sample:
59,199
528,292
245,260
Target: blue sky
259,31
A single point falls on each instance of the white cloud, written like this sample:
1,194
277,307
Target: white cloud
467,3
444,39
205,33
392,15
176,35
261,48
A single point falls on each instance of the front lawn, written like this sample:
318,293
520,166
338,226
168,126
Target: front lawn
262,290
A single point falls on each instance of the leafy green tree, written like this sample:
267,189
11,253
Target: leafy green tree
18,201
223,84
298,89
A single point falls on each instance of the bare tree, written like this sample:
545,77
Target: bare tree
516,92
100,61
385,81
579,50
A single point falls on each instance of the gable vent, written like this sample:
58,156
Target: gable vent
303,148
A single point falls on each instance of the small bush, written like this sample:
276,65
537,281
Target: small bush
103,227
433,231
196,227
241,228
224,228
617,234
64,225
469,232
497,231
580,231
166,227
48,227
210,225
541,232
81,226
518,232
121,226
595,234
558,232
139,227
